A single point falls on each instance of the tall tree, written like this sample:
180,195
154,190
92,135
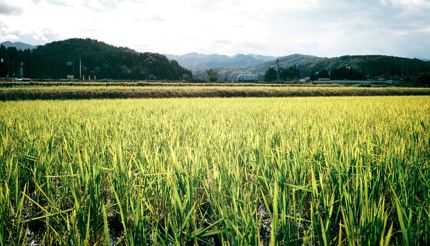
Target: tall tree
212,75
270,75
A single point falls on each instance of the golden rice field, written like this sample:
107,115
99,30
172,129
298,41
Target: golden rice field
216,171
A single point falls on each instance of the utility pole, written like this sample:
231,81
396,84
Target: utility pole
278,71
21,70
13,69
80,69
2,68
8,68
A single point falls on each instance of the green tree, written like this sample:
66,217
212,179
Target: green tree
212,75
346,73
270,74
290,73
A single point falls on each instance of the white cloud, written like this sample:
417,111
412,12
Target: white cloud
275,27
409,3
7,9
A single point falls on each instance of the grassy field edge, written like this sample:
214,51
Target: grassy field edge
48,93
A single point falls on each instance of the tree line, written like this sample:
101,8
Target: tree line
412,71
283,74
340,73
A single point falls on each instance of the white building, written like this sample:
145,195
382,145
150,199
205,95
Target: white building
247,77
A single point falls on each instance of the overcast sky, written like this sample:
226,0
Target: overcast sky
270,27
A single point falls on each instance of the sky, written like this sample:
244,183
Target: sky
271,27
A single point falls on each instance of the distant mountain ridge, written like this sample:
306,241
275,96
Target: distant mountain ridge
287,61
197,60
18,45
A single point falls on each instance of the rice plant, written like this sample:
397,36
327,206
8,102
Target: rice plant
238,171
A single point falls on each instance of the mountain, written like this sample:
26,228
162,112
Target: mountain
228,67
286,61
93,58
199,61
17,45
262,57
227,71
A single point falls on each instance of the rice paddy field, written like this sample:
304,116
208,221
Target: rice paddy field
216,171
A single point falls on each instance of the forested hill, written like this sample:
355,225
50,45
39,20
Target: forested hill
361,67
58,59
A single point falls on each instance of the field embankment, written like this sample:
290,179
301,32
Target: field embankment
89,91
